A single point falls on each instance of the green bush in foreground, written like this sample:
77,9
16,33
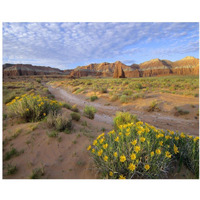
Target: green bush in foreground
93,98
138,150
59,122
123,118
31,107
75,116
89,112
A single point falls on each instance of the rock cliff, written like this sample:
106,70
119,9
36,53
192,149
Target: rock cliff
155,67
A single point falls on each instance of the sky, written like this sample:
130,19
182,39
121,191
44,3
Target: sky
68,45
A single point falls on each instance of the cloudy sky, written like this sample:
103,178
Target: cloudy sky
68,45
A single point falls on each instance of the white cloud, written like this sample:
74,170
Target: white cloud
67,43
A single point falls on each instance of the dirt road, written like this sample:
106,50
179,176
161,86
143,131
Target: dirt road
106,113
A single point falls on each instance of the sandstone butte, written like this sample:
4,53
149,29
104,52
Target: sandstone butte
155,67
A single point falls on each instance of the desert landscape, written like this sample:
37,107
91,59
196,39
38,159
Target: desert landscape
104,120
88,100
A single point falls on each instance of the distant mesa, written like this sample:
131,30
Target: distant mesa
155,67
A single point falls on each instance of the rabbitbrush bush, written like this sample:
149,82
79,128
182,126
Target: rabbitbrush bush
32,107
138,150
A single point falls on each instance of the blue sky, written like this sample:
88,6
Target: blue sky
68,45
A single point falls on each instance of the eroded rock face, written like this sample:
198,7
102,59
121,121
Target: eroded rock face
155,67
118,72
26,69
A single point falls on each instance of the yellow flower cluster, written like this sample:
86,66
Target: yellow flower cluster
133,145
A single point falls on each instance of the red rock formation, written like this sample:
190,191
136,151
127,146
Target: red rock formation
118,72
155,67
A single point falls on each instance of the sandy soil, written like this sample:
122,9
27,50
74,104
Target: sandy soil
66,157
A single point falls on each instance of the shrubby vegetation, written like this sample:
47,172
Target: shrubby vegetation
32,107
138,150
59,122
89,111
124,118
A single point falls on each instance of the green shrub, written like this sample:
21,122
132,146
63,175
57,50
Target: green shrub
12,153
153,106
52,133
103,90
32,108
59,122
89,111
138,150
75,116
37,173
180,111
4,116
67,106
114,98
74,108
79,91
93,98
123,118
124,99
11,169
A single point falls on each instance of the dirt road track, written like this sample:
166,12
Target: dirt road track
106,113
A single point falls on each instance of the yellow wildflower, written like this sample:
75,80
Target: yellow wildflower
161,143
175,149
137,149
27,109
89,147
110,173
167,154
105,146
117,139
134,142
142,139
147,129
42,103
171,132
157,136
95,142
176,138
122,177
147,167
158,151
115,154
100,136
100,152
105,158
44,114
120,133
122,158
152,154
131,167
133,156
161,135
101,140
167,137
196,138
139,132
93,150
182,135
128,130
127,133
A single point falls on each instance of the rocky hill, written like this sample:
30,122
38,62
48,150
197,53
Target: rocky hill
27,69
155,67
